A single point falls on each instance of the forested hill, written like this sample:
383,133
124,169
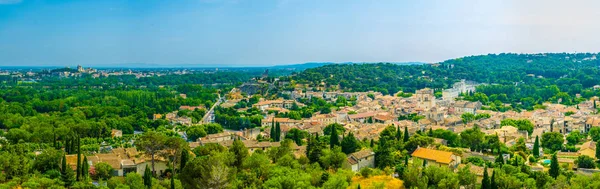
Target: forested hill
570,72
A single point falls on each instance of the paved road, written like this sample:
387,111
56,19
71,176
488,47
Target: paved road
209,116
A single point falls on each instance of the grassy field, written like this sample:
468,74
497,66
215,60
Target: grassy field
376,182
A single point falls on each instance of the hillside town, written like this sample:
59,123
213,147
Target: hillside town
371,112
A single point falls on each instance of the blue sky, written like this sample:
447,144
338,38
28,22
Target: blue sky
273,32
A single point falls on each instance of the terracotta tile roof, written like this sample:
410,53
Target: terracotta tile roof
361,115
435,155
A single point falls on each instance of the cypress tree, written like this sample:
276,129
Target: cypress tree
184,158
67,173
314,149
85,167
554,168
67,146
277,132
500,159
78,158
552,125
594,104
358,187
173,178
493,184
536,147
333,139
398,134
485,182
148,177
63,167
72,148
430,133
406,134
273,129
372,143
406,161
598,150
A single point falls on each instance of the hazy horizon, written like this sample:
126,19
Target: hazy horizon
237,33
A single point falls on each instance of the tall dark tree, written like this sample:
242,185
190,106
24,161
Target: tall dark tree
499,159
148,177
273,129
398,134
78,158
536,147
173,176
184,158
554,168
277,132
383,154
67,175
334,139
85,168
350,144
485,182
493,184
430,132
314,149
598,151
406,134
240,152
552,125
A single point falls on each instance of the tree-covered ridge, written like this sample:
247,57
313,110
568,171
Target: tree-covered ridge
561,69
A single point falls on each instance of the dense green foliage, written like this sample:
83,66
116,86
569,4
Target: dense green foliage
540,77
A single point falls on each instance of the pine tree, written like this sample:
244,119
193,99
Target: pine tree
536,147
78,158
554,168
85,168
485,182
277,132
406,134
493,184
148,177
398,134
333,139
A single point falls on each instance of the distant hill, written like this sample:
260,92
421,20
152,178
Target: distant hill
302,66
309,65
570,72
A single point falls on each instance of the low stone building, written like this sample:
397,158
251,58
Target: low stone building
361,159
